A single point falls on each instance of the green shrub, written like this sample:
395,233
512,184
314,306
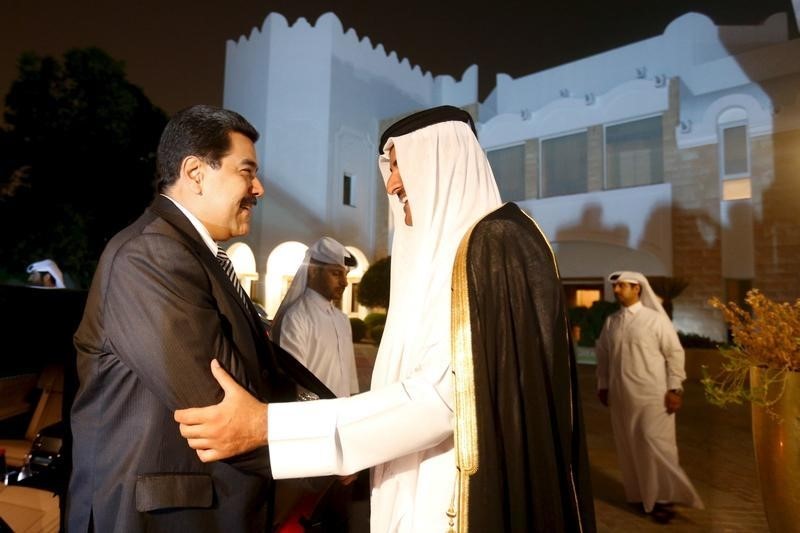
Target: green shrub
373,290
376,333
375,319
591,320
359,329
695,340
577,315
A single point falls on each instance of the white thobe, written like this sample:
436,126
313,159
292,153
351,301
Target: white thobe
404,425
318,335
639,358
404,428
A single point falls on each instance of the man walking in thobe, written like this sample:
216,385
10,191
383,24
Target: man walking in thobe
639,377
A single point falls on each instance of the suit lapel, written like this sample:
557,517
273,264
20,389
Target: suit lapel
271,356
167,210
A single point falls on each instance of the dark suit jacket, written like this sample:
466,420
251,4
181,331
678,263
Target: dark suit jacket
159,309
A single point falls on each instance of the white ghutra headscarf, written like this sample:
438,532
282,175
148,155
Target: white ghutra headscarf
325,250
49,266
450,186
647,296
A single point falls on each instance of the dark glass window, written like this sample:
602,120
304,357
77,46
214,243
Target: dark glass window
347,190
734,151
508,167
634,153
564,165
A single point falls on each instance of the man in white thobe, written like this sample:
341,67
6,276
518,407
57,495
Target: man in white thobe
640,371
310,326
403,426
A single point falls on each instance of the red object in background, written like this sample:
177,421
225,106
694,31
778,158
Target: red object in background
300,515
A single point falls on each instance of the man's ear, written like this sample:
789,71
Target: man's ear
192,170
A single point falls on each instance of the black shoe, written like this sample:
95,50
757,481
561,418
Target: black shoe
662,513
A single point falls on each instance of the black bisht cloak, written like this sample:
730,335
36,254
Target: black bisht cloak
520,439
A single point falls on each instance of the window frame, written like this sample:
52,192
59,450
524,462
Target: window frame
352,180
517,144
721,149
605,149
540,162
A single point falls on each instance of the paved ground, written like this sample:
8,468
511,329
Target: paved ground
716,449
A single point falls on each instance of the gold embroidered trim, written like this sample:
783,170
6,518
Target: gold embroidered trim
465,430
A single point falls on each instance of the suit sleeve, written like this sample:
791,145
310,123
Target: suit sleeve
163,323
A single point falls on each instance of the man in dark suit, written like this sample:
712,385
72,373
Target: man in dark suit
162,304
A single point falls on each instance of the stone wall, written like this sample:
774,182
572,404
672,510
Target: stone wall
776,160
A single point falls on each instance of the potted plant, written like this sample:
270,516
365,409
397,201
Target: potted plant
762,367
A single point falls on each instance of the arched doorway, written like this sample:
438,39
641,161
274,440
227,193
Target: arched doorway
284,261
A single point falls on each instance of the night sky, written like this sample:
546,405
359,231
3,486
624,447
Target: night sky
175,49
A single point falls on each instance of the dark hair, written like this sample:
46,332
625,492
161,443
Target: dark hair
201,130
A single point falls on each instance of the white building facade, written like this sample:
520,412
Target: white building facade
678,156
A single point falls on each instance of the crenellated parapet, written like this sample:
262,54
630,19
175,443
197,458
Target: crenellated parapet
359,53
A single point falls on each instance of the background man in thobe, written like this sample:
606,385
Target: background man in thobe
404,426
310,326
640,371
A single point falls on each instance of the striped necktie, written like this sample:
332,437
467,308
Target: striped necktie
227,266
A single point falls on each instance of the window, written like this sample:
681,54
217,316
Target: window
734,155
734,151
583,293
347,190
736,189
587,297
564,165
508,167
634,153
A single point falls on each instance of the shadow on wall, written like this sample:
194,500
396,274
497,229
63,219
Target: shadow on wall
775,175
591,224
695,255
